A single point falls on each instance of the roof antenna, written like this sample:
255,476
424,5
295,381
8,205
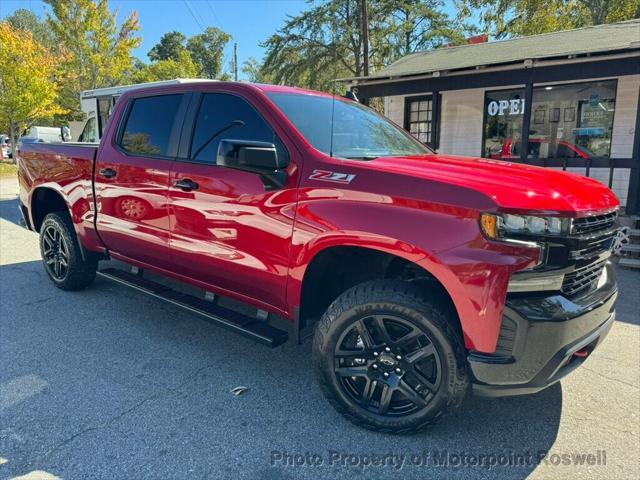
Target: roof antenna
333,109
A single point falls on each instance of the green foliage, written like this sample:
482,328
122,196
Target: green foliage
505,18
325,41
207,50
317,46
23,19
413,25
100,50
169,48
181,67
140,143
254,72
29,80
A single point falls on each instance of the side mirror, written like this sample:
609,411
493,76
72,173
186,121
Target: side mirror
256,157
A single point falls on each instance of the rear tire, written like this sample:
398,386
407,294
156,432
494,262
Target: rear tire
390,358
61,254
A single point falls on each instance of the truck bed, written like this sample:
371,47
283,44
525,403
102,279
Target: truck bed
46,162
65,168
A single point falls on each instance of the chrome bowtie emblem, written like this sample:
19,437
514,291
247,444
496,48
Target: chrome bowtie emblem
387,361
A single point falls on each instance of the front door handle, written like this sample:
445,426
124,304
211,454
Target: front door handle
187,185
108,172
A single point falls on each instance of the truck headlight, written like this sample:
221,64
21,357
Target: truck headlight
524,231
502,226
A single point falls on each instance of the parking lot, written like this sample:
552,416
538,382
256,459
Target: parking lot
108,383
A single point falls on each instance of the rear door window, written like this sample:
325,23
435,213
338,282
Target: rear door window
150,124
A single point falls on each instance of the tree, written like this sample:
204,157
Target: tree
415,25
169,47
325,41
253,71
100,50
505,18
29,79
207,50
182,67
317,46
23,19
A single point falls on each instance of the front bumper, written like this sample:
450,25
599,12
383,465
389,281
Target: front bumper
543,338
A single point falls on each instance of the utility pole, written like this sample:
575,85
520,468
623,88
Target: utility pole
235,61
365,36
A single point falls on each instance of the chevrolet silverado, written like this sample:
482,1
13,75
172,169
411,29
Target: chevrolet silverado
281,213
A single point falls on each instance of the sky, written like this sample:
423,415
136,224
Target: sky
248,21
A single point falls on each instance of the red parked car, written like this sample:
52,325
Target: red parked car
563,149
420,276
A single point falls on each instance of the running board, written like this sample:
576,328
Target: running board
249,327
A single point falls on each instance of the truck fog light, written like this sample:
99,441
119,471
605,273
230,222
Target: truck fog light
535,282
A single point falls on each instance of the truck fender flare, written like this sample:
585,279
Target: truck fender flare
398,248
52,187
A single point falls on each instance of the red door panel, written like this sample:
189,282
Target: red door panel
132,208
231,232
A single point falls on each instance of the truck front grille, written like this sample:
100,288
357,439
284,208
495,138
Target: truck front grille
594,248
582,279
594,223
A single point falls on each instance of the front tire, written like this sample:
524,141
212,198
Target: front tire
61,254
389,358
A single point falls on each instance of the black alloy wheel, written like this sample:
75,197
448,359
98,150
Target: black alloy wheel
68,267
389,356
55,252
387,365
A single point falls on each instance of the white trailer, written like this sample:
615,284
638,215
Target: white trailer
97,104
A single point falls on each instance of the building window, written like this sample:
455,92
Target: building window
420,118
567,121
572,121
503,113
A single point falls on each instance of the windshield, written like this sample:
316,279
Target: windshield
358,132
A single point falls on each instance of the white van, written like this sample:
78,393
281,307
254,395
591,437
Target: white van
49,134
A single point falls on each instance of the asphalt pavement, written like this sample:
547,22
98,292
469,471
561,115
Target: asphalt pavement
110,384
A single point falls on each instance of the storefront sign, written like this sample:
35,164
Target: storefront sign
506,107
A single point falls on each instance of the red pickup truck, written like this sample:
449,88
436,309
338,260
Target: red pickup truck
281,213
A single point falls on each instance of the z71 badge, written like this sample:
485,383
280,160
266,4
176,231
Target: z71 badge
335,177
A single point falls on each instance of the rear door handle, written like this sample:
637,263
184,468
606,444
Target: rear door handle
187,185
108,172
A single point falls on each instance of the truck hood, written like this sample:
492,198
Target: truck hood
512,186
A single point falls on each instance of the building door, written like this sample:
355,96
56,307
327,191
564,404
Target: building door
421,118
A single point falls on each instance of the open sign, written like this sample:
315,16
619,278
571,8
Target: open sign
506,107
